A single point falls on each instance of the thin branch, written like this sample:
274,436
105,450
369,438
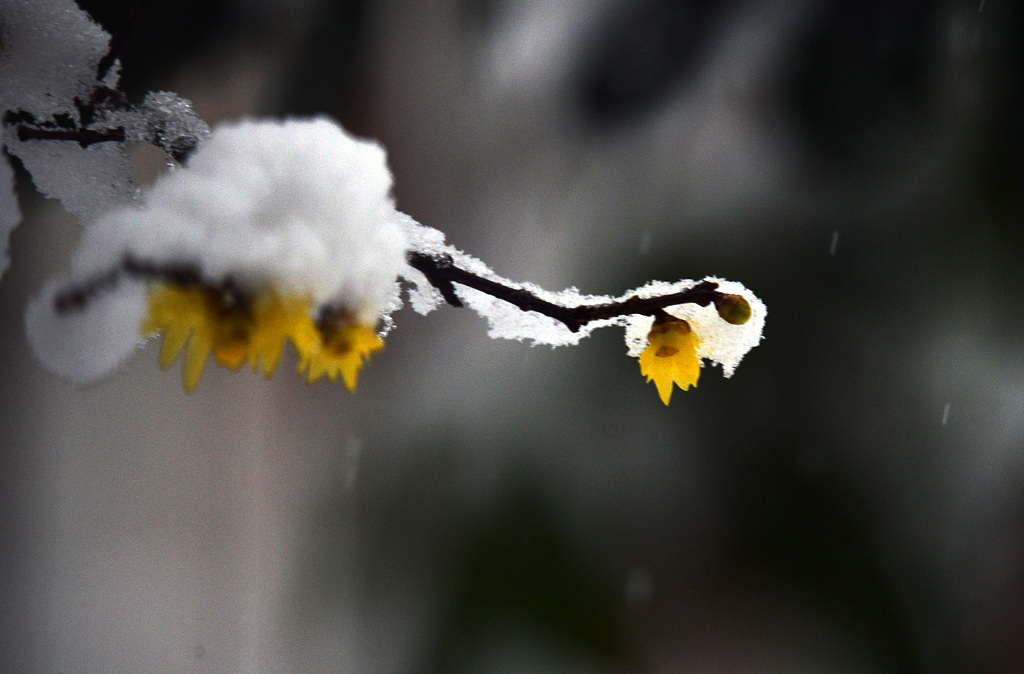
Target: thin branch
64,127
84,137
441,272
77,297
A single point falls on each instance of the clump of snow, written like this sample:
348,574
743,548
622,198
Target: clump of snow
163,119
87,344
49,55
10,213
423,297
299,205
87,180
722,342
49,50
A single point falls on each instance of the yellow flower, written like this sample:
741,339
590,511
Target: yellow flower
671,356
335,346
235,328
239,329
182,314
276,319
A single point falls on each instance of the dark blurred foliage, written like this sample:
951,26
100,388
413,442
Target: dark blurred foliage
164,37
520,574
329,70
643,53
861,77
809,534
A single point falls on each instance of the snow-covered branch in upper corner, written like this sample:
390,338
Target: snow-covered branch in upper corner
63,115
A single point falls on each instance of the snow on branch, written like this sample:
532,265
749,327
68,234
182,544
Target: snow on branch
273,233
63,115
442,272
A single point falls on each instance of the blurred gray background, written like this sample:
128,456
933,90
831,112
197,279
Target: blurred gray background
850,501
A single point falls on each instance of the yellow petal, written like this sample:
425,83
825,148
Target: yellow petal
269,357
173,342
252,328
315,369
664,384
195,361
275,319
231,355
350,374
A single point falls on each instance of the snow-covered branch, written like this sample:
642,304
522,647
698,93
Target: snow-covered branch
442,273
271,233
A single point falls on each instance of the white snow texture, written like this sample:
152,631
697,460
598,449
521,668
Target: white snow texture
49,53
298,205
720,342
49,50
10,213
85,346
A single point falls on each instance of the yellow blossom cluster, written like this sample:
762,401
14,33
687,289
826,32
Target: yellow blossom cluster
239,328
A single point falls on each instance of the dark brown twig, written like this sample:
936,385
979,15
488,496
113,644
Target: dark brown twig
77,297
441,272
84,137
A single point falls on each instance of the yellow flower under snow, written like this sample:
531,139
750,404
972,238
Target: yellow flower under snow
238,329
671,356
332,351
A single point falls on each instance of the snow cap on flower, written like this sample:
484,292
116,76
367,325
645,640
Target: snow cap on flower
299,208
87,345
299,205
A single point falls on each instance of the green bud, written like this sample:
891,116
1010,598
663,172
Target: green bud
734,309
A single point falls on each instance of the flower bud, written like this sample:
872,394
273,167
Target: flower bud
734,309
